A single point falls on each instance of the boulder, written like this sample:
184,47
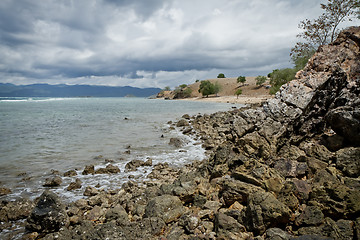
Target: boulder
89,169
70,173
348,160
16,210
227,227
53,182
117,214
265,211
49,214
134,164
91,191
182,123
109,169
176,142
168,208
74,185
312,215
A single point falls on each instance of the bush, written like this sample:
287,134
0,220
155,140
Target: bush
278,77
260,80
182,91
221,75
207,88
241,79
238,92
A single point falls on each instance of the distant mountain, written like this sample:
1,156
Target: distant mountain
62,90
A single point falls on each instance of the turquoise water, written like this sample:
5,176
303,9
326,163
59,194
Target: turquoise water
38,135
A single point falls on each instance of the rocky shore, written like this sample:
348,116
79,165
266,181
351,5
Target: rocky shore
288,169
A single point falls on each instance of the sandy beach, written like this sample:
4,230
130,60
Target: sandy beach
232,99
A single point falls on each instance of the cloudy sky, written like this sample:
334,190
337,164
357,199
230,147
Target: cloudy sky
146,43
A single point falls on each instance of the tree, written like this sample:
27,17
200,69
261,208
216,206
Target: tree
241,79
324,29
221,75
207,88
278,77
182,91
260,80
167,88
238,92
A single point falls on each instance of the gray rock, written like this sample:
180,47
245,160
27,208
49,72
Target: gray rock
227,227
312,215
277,234
169,208
176,142
118,214
49,214
265,211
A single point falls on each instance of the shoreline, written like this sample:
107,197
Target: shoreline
230,99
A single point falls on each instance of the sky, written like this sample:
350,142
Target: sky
146,43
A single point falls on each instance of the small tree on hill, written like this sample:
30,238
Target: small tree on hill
238,92
241,79
167,88
207,88
260,80
221,75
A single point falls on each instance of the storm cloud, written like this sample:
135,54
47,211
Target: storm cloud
145,43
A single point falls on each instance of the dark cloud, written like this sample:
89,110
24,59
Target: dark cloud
145,43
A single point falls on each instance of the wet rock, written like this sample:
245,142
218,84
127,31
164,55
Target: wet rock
53,182
91,191
74,185
49,214
89,169
70,173
182,123
109,169
4,191
169,208
16,210
134,164
189,222
176,142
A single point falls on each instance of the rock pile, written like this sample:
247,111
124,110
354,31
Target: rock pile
286,170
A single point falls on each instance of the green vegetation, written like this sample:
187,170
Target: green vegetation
324,29
167,88
241,79
182,91
260,80
197,80
279,77
238,92
207,88
221,75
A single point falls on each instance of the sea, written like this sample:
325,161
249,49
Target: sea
43,136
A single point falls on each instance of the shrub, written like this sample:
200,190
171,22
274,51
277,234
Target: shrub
241,79
221,75
207,88
260,80
278,77
238,92
182,91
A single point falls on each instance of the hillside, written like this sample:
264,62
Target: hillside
251,93
62,90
